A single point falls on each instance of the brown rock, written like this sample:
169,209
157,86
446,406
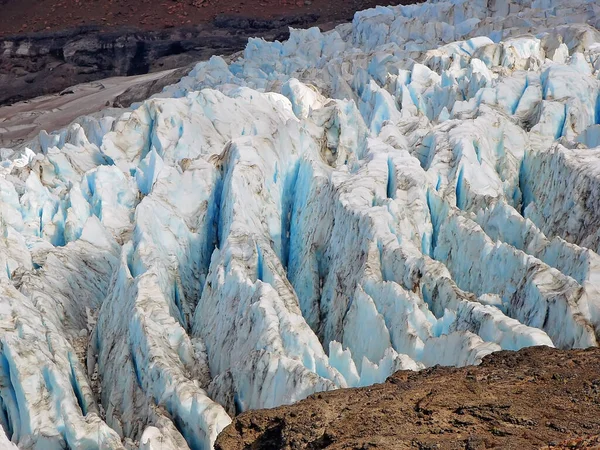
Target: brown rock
500,404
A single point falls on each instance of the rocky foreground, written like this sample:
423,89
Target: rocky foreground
514,400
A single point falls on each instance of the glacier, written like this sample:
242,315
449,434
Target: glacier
418,187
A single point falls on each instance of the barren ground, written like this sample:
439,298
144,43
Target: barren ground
530,399
21,16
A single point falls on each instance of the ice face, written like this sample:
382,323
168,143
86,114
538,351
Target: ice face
419,187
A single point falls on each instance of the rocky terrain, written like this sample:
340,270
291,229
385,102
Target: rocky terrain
21,122
47,46
22,16
537,397
47,62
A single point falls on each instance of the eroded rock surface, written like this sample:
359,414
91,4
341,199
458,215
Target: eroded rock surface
530,399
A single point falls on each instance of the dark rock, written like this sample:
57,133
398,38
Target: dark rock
142,91
49,62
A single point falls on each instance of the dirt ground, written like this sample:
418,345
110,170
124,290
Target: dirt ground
23,16
23,121
531,399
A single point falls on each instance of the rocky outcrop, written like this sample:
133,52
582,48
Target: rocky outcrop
44,63
527,399
142,91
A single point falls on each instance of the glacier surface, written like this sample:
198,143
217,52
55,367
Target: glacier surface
418,187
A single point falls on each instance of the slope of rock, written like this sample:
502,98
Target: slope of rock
50,45
525,400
